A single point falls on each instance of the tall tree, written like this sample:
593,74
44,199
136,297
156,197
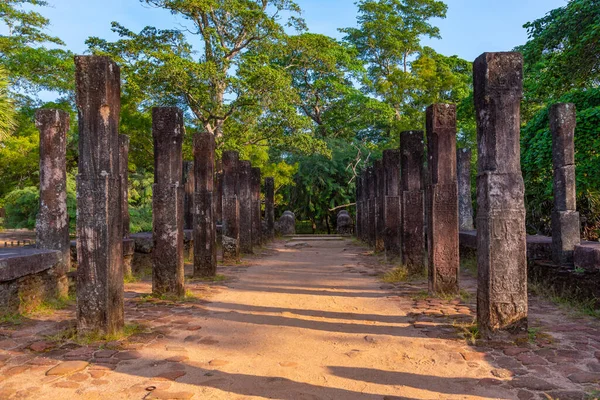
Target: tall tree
562,51
218,82
29,54
388,39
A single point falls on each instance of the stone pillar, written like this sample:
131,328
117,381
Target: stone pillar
52,227
99,216
128,247
255,178
358,195
379,205
501,237
413,236
205,228
124,175
218,196
231,211
270,207
344,223
565,218
189,186
245,204
392,206
371,178
442,235
465,203
167,202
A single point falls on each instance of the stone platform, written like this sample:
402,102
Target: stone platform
28,276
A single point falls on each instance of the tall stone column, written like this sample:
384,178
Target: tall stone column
124,175
365,207
255,179
413,236
218,195
465,203
128,245
167,202
99,220
379,206
565,218
205,228
442,190
189,186
231,210
501,237
245,204
392,206
371,178
270,207
52,225
358,195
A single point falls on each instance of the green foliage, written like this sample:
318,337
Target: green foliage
536,158
7,110
562,53
22,206
23,52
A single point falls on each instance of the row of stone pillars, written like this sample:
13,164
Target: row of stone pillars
398,197
182,192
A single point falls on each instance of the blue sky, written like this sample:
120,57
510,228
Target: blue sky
471,27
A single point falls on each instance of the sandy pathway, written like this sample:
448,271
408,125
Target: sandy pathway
301,323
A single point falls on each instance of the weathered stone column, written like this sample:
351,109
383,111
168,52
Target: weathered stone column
230,204
52,225
245,204
189,186
255,178
358,195
205,227
218,196
442,235
344,223
393,210
371,178
124,175
128,246
413,237
99,216
565,218
501,246
465,203
167,202
270,207
379,206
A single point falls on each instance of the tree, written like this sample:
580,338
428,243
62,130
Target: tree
7,111
31,66
562,52
388,39
220,81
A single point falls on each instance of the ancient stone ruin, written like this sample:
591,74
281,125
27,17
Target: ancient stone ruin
99,217
345,225
287,224
167,202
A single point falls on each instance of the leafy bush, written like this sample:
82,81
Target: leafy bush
140,219
536,158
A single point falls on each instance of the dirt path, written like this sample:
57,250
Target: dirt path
304,323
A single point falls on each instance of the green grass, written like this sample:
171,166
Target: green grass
593,395
469,331
131,279
47,307
71,335
569,303
189,296
463,295
11,319
469,264
396,275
